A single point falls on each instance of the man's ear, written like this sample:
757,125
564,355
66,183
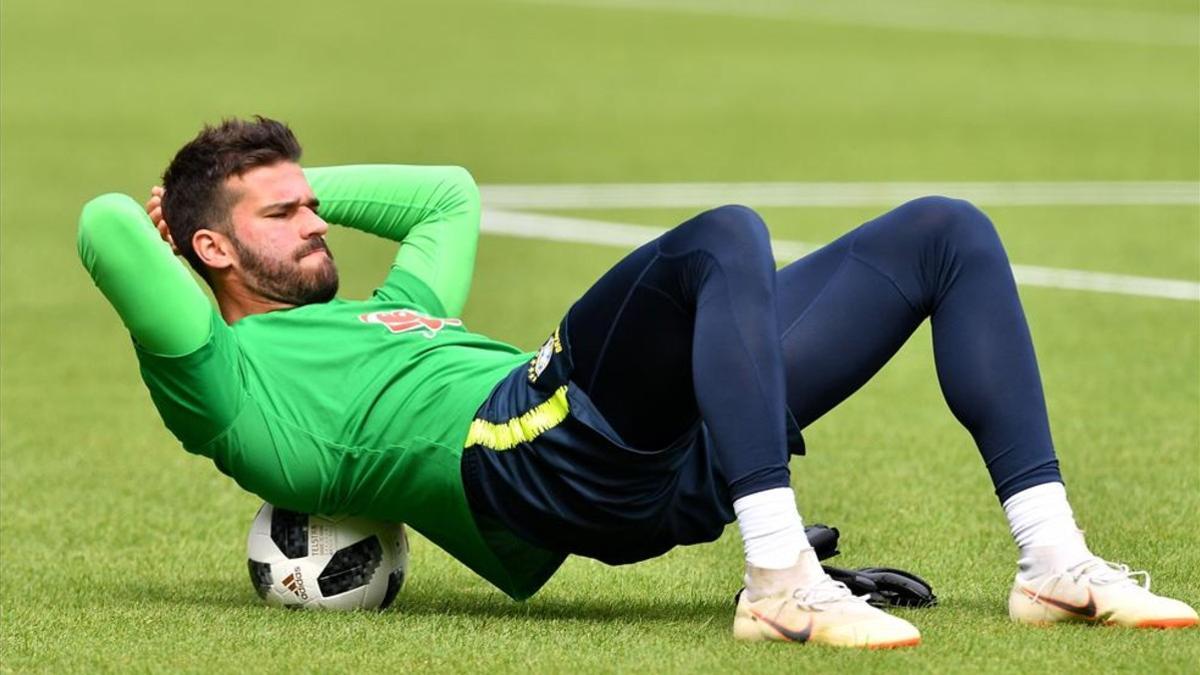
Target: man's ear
214,249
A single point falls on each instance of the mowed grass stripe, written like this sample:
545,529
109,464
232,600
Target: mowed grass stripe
662,195
579,230
1044,21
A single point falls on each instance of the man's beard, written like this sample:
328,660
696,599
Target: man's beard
289,284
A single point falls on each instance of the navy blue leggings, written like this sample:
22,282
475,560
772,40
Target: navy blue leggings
698,324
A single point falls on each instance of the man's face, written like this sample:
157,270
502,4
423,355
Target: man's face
278,236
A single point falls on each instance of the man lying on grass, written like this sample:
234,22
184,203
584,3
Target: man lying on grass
664,406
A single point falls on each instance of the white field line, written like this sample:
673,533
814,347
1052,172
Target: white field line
578,230
1039,21
670,195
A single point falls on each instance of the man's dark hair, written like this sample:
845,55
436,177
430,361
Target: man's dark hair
196,197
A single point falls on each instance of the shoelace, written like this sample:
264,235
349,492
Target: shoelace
825,592
1098,571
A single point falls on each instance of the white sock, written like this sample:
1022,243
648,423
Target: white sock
1043,526
772,531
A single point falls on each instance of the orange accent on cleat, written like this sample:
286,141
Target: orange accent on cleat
1167,623
899,643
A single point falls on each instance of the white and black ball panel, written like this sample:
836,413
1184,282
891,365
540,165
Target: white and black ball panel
351,567
260,576
259,545
301,561
289,531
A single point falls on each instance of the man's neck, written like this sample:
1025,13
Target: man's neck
237,303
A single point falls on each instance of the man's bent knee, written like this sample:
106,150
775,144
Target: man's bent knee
725,228
953,221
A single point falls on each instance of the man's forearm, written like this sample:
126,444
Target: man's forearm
433,210
391,200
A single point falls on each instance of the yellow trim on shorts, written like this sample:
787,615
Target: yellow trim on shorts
507,435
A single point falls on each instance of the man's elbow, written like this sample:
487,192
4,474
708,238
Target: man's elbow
100,217
465,190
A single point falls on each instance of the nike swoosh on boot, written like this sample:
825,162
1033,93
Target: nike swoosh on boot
1087,611
793,635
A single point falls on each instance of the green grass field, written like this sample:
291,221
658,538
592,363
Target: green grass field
118,551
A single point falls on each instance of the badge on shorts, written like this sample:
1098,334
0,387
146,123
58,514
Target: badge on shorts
548,350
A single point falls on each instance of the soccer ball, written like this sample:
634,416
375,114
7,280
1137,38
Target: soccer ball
300,561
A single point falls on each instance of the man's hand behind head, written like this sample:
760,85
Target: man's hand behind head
154,210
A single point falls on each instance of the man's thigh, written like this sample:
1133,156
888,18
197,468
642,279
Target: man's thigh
630,339
841,319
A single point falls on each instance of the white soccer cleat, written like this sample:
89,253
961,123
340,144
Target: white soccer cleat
1096,591
826,613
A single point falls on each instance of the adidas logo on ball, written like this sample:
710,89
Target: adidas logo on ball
294,582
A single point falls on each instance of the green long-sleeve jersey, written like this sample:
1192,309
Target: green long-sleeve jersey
357,407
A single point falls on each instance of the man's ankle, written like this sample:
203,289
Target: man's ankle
763,582
1038,561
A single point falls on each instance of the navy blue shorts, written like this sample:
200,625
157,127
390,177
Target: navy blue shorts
573,485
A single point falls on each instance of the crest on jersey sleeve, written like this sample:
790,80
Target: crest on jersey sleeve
407,321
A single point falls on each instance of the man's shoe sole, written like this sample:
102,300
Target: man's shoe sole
1166,623
894,645
749,631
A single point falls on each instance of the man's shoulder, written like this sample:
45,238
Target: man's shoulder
403,286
